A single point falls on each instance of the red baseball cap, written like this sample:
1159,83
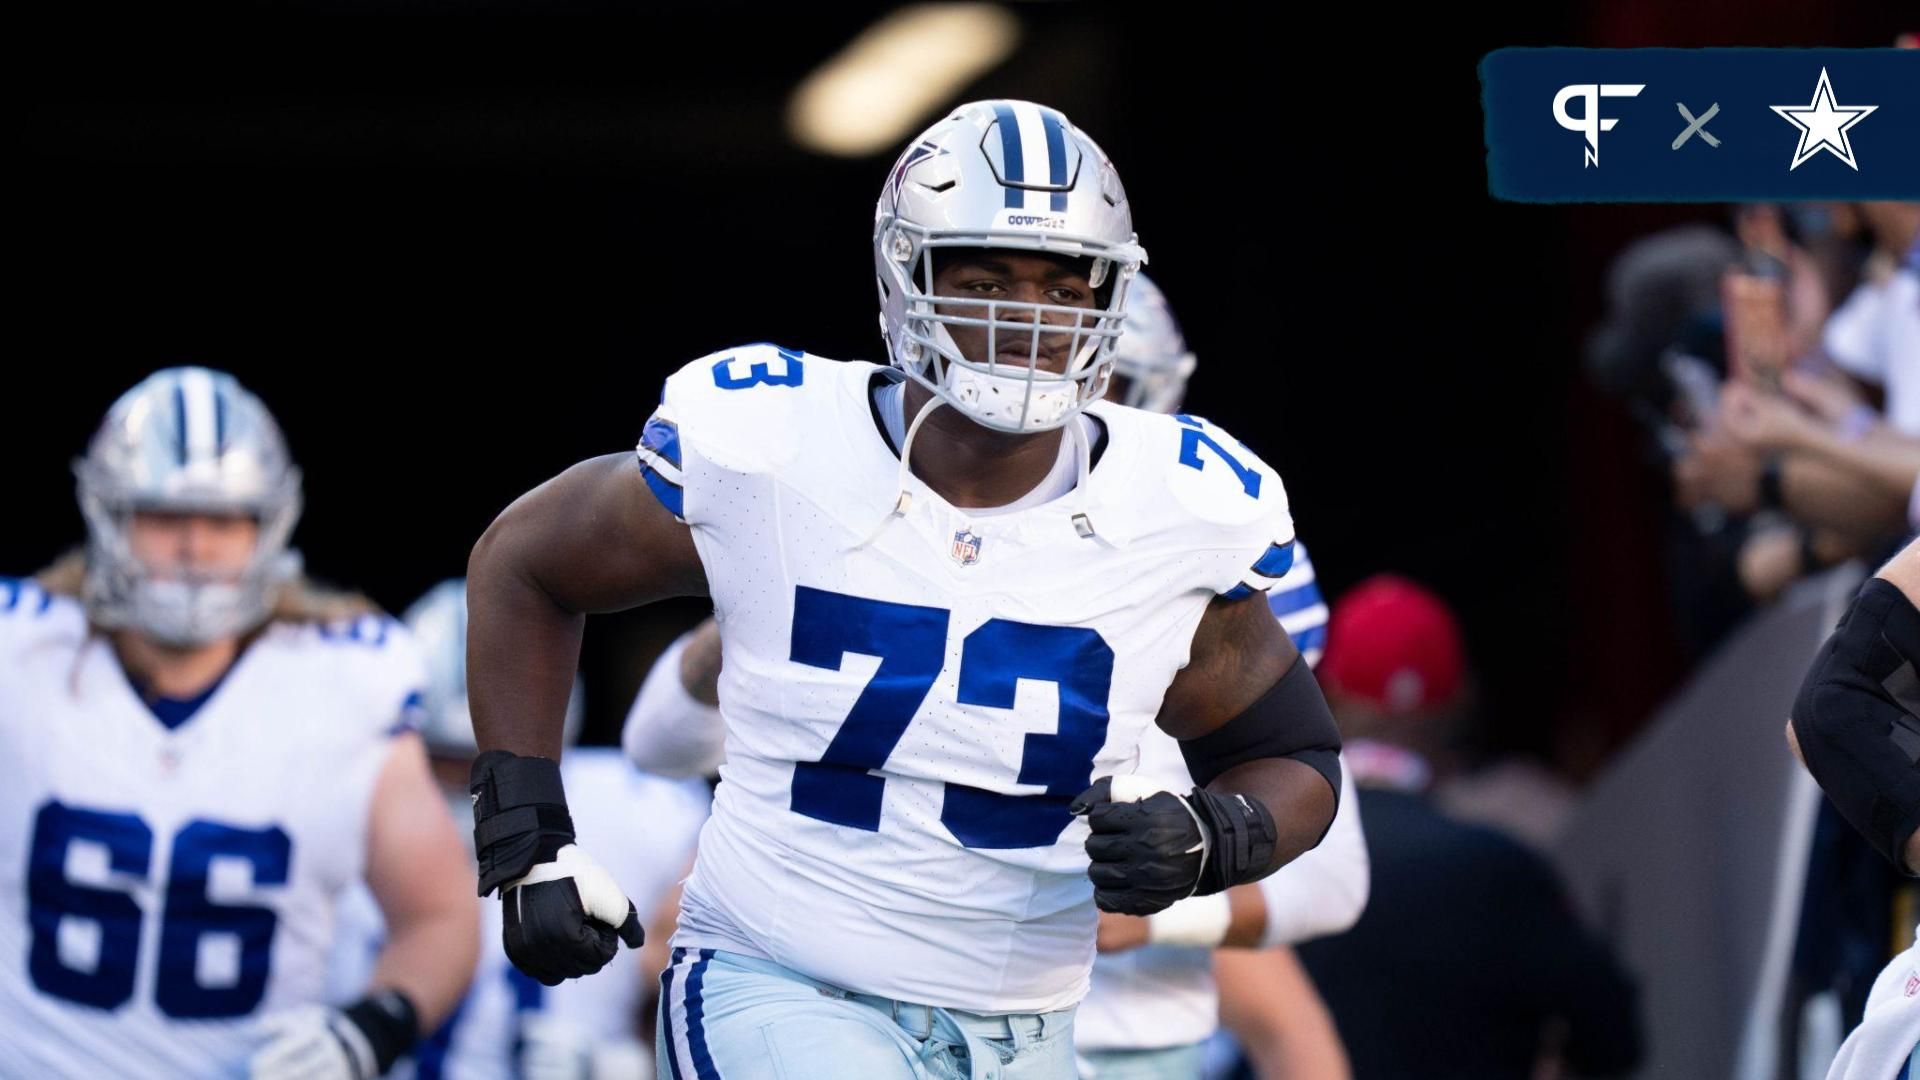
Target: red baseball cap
1395,644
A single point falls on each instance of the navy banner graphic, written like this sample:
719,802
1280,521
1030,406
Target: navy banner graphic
1701,125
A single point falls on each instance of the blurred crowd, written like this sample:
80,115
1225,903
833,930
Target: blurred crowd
1775,364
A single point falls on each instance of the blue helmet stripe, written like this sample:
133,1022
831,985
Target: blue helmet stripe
1056,156
1011,155
180,419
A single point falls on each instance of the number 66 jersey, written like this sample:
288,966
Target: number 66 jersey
164,886
914,691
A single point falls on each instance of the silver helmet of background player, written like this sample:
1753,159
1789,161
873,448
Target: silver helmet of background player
439,623
186,440
1017,176
1152,355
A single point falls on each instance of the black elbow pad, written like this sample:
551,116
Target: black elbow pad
1855,718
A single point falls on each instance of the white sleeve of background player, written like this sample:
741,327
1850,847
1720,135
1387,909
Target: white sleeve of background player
1296,601
668,731
1323,891
397,702
379,670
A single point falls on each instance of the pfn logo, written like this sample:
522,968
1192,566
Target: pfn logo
1589,122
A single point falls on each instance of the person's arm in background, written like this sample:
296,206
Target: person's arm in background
1853,723
1325,890
1854,478
417,871
674,727
1844,497
1270,1006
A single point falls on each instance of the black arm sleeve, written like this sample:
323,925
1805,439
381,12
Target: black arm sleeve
1290,720
1855,718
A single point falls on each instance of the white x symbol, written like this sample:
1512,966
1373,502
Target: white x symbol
1694,126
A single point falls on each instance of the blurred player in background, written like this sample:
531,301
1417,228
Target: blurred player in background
1152,1002
205,751
894,882
508,1024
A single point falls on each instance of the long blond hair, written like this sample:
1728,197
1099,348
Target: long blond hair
300,601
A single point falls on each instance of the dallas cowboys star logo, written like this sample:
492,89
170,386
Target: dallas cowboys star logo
1823,125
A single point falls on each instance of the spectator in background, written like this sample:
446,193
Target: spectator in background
1468,961
1804,445
1875,335
1792,449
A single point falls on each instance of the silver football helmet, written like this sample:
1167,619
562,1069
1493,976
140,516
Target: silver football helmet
439,623
1010,175
1152,355
186,440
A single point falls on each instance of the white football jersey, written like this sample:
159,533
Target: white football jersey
911,707
642,829
163,889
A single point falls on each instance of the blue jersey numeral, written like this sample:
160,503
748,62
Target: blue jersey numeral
758,374
51,898
992,662
188,914
910,642
1192,438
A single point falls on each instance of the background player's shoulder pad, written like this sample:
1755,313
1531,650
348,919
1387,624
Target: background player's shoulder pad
743,410
377,666
29,613
22,599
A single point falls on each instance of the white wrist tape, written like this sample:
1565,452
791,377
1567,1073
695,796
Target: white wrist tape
1198,921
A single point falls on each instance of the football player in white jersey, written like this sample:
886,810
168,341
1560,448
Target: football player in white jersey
942,652
204,752
509,1025
1148,1010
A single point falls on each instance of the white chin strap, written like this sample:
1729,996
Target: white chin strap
1002,401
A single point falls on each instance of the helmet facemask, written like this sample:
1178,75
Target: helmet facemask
1012,177
1018,392
186,441
183,607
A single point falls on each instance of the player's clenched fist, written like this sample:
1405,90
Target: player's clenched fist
564,915
1149,847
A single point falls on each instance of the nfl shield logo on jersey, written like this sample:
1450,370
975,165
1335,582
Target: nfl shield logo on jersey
966,547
